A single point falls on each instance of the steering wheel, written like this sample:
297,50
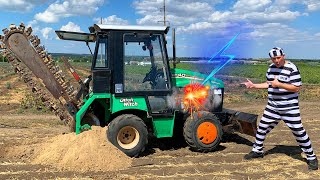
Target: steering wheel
150,75
153,76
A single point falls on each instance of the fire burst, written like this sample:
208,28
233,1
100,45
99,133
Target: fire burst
195,96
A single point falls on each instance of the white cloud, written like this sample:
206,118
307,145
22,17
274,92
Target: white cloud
251,5
68,8
201,16
200,26
112,20
71,27
19,5
245,16
275,30
179,12
281,34
208,28
150,19
218,16
266,17
312,5
46,31
47,16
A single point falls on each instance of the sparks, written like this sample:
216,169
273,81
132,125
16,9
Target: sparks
195,96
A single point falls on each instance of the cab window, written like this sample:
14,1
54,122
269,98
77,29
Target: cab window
144,63
102,61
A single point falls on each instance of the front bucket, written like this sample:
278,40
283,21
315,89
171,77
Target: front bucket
246,123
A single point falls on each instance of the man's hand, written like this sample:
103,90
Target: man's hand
274,83
248,84
251,85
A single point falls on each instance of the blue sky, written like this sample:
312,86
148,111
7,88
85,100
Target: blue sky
203,27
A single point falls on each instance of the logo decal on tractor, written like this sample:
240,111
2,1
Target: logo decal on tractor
128,102
180,75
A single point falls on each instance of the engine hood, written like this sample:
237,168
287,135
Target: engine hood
182,77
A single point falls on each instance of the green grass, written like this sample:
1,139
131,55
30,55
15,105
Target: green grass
310,73
310,70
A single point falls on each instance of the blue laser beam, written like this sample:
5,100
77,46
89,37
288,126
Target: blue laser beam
221,56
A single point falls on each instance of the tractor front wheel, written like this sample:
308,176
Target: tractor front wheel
203,131
128,133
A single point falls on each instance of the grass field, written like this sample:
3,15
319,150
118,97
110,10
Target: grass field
309,70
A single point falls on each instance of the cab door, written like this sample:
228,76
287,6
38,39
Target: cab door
146,71
101,67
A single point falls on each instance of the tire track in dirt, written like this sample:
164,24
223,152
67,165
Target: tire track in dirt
229,167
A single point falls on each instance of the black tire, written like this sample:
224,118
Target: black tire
123,131
203,132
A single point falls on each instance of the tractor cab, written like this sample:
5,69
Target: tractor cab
131,61
130,64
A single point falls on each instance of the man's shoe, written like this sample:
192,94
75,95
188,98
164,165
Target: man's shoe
253,155
313,164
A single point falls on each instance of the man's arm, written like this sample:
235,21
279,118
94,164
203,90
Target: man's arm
250,85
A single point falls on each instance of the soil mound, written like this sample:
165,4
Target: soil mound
88,151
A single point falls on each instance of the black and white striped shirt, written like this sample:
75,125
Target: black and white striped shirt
279,98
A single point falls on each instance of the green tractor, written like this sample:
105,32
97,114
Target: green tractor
133,90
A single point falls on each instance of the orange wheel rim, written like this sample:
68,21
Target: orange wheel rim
207,132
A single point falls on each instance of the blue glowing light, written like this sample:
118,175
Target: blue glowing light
221,56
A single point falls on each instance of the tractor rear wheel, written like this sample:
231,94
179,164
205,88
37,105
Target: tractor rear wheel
203,131
128,133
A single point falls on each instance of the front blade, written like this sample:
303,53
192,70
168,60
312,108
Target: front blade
245,123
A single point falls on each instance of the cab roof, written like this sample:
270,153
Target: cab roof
91,37
105,27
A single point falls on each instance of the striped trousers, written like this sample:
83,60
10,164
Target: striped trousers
291,117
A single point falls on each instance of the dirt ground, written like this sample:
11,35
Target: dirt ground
165,159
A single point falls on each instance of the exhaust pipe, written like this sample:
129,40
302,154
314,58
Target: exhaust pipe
174,47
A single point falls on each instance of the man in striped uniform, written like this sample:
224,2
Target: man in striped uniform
283,84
